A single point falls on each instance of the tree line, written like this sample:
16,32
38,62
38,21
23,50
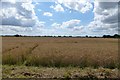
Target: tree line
109,36
104,36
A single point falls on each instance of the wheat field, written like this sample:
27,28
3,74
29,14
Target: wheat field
50,57
60,52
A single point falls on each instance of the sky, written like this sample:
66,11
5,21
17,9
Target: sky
58,17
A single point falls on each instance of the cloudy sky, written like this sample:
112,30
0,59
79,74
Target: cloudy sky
59,17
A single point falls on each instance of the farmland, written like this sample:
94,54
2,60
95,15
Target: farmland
59,54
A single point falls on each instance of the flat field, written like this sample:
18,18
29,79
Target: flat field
57,53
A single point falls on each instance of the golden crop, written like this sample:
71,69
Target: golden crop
60,52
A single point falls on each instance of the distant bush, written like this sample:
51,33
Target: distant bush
109,36
17,35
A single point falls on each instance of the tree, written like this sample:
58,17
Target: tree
116,36
86,36
17,35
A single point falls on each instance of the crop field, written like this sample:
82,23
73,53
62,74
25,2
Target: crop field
57,53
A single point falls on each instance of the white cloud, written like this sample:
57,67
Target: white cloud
78,28
18,14
73,25
14,1
28,6
7,29
21,18
39,10
15,30
70,24
48,14
106,18
70,11
56,25
57,8
18,17
78,5
11,1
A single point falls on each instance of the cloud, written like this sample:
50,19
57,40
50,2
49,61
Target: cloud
19,17
39,10
57,8
48,14
18,14
105,17
79,5
15,30
78,28
8,29
70,24
73,25
14,1
56,25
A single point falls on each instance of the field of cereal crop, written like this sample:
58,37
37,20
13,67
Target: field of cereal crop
82,53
